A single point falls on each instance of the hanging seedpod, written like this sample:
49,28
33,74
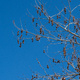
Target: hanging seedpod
72,57
40,13
52,78
79,75
20,45
65,10
47,67
23,41
36,75
21,30
70,41
33,19
73,37
53,60
68,66
58,35
42,8
77,23
21,36
74,27
63,78
17,33
58,16
57,26
55,75
32,39
65,21
78,60
78,63
73,18
44,13
75,56
26,33
32,77
72,44
36,24
64,51
37,38
37,11
58,61
76,30
76,40
49,20
43,32
40,30
43,51
18,41
38,7
52,22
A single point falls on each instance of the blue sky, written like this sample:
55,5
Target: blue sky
15,61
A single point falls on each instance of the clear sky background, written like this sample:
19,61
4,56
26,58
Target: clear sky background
15,61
